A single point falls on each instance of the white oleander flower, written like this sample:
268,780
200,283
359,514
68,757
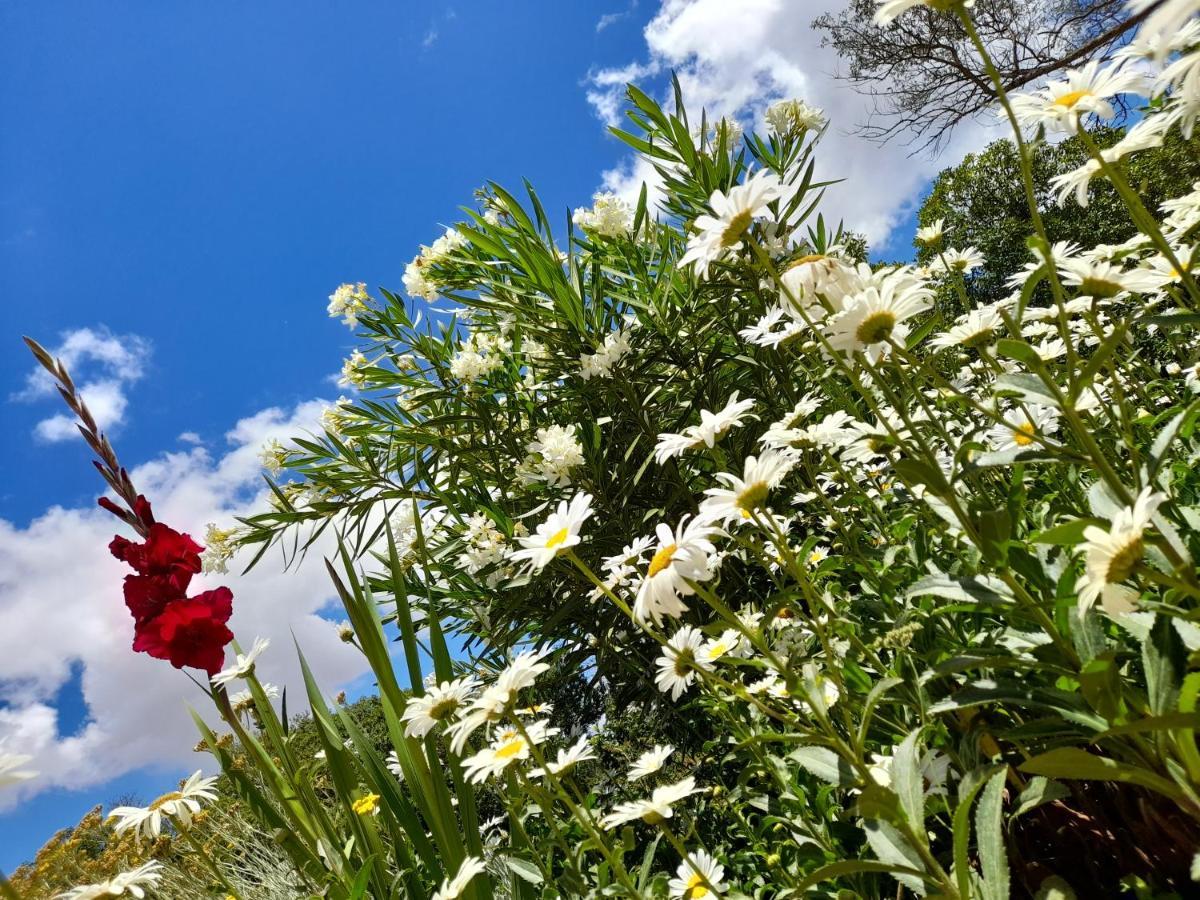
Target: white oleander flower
554,453
244,664
132,883
601,363
354,370
650,762
347,302
788,116
559,533
740,497
439,703
181,806
712,428
1111,556
658,808
720,234
508,746
610,216
1086,91
700,875
219,548
682,555
580,751
679,661
452,888
890,9
272,456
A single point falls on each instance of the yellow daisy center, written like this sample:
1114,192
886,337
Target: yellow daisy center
1123,562
695,887
165,799
661,559
558,537
1099,287
443,708
752,496
512,748
1069,100
1023,435
736,228
876,327
805,260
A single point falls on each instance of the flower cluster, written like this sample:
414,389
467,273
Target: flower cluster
168,624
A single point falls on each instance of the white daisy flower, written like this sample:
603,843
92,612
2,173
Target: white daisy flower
572,756
874,317
132,883
680,555
1022,428
698,876
244,664
961,262
680,660
1061,104
1096,278
181,805
452,888
1111,556
656,809
740,497
712,428
439,703
931,235
721,233
650,762
1167,20
977,328
557,534
508,746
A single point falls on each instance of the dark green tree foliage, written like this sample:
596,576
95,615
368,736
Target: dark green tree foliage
983,203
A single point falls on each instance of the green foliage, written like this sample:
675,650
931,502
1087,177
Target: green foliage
982,201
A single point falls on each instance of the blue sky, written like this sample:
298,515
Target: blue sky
201,179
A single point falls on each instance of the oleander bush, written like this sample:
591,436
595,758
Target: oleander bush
774,573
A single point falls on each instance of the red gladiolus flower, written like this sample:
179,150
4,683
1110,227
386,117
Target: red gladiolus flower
166,553
189,632
147,595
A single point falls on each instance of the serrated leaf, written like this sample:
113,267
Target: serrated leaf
825,764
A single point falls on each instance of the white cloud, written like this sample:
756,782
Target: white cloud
609,19
734,57
103,364
61,606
